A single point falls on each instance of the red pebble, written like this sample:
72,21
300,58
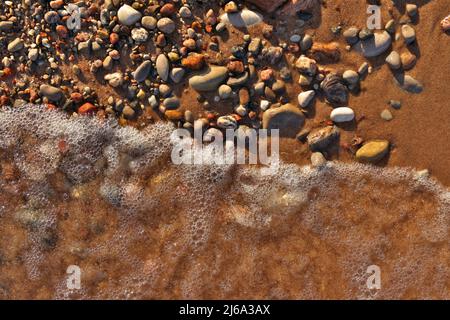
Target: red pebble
86,108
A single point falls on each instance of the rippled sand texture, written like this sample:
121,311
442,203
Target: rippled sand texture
89,193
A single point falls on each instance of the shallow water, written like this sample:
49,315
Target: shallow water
89,193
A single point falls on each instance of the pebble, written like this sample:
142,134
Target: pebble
320,139
408,60
287,118
351,77
408,33
6,25
393,60
259,88
33,54
210,79
153,102
51,17
143,71
164,90
351,35
238,81
306,42
342,114
244,96
395,104
15,45
173,115
177,74
185,12
243,19
306,65
411,10
254,46
390,26
408,83
114,79
166,25
163,67
305,98
139,34
194,61
295,38
445,23
149,22
365,34
167,10
224,91
279,87
227,122
128,112
171,103
264,105
128,16
386,115
50,92
318,160
220,27
373,151
374,46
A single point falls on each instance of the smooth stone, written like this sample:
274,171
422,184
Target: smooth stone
350,77
386,115
243,19
238,81
411,10
393,60
171,103
6,25
318,160
305,98
114,79
254,46
52,93
227,122
15,45
408,33
177,74
166,25
373,151
342,114
390,26
264,105
295,38
128,16
351,35
164,90
33,54
225,91
139,34
163,67
210,79
142,72
395,104
287,118
306,42
185,12
374,46
149,22
320,139
408,83
408,60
